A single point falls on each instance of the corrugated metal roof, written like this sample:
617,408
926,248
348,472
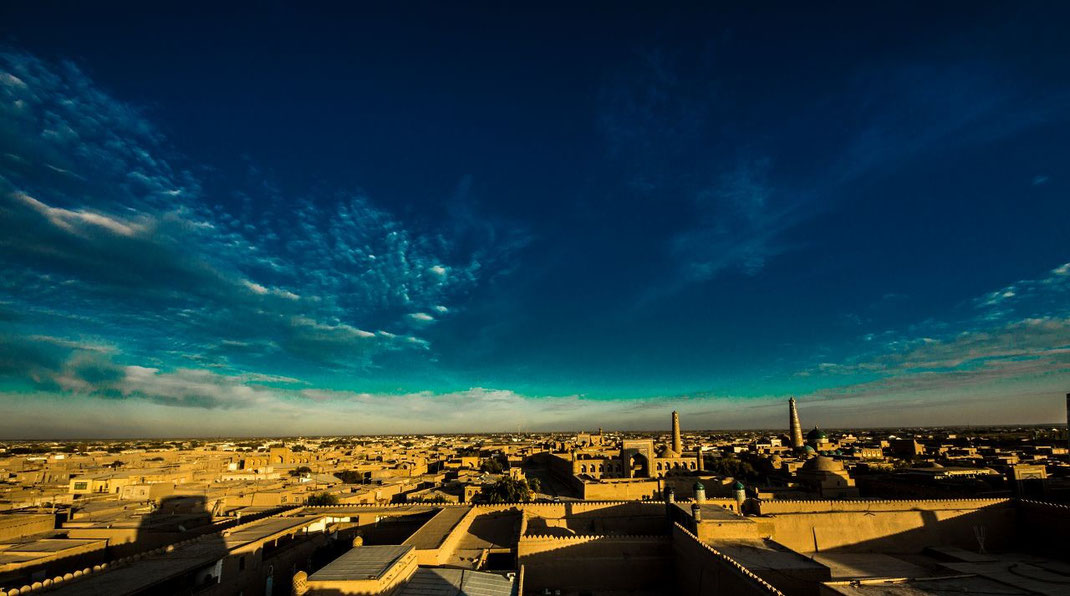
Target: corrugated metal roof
477,583
361,563
442,581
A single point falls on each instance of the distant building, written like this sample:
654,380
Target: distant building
828,478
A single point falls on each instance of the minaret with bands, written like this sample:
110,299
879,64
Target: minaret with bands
795,428
677,443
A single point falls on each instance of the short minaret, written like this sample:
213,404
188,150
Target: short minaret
700,493
696,513
741,495
700,464
795,429
677,442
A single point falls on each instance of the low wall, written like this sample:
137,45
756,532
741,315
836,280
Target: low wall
20,525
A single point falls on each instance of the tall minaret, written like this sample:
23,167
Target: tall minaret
677,443
795,431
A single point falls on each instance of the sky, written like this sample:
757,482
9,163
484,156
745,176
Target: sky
314,219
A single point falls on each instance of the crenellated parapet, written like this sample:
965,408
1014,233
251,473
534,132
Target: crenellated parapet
788,506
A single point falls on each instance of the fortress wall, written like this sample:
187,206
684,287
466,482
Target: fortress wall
595,563
1044,527
633,517
559,510
631,490
701,570
731,530
828,505
565,508
908,528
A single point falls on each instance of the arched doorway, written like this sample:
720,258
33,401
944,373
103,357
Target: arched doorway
638,466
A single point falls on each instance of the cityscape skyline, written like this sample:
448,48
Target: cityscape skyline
380,222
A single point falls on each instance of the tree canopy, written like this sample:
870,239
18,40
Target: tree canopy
320,499
506,490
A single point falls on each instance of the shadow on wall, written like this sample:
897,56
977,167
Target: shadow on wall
908,530
179,519
625,565
626,518
500,528
173,519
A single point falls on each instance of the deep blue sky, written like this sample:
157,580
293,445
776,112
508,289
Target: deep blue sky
444,216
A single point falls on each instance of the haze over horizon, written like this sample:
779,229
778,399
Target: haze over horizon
378,220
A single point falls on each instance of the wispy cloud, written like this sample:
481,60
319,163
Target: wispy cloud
102,216
1019,337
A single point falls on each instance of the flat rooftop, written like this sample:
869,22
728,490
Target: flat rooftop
264,529
362,563
434,532
765,554
50,545
158,568
713,512
863,574
928,586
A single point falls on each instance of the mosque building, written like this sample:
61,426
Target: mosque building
592,458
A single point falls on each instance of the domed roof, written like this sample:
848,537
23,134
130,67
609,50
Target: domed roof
698,486
808,449
737,486
816,434
666,452
822,463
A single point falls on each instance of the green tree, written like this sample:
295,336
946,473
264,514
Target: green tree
425,499
350,476
320,499
734,467
506,490
492,465
300,471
